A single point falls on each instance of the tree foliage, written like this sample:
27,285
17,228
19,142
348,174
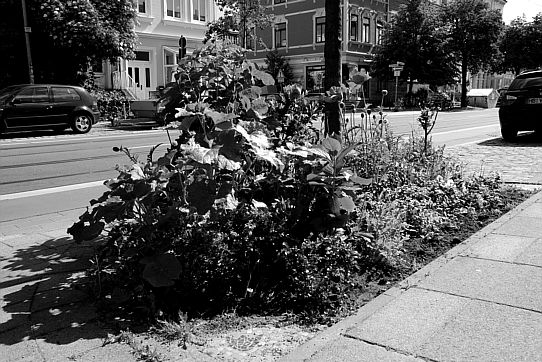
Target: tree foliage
78,31
275,62
473,31
521,45
239,17
415,36
89,28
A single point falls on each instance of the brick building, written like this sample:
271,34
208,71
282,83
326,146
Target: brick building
298,33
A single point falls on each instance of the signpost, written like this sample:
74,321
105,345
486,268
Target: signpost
397,68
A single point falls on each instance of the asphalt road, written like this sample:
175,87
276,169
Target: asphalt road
31,163
46,172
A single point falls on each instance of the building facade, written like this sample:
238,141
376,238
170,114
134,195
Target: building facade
298,33
161,23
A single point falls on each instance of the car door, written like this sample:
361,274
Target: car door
30,107
65,100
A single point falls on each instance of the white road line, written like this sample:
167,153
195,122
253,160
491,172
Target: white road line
70,139
52,190
465,129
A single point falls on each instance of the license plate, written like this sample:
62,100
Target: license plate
534,100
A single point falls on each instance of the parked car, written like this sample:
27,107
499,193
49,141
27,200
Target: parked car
520,106
47,106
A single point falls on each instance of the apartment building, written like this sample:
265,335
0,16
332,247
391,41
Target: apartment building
298,33
160,25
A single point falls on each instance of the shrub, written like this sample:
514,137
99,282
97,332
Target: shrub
243,213
113,104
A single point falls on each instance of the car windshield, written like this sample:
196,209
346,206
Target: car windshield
526,81
6,92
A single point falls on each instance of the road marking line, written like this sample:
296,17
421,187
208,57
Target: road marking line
73,139
464,129
52,190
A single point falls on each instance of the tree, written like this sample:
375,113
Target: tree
415,36
76,32
521,45
473,31
240,16
332,60
275,62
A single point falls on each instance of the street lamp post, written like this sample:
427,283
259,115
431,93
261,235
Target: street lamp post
27,31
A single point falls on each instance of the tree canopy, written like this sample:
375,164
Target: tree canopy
416,37
473,31
239,17
521,45
72,32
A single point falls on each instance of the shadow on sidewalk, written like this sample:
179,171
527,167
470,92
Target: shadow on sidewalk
44,290
527,139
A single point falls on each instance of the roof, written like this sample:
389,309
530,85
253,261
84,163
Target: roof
482,92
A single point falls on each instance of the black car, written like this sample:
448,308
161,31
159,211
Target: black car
520,106
47,106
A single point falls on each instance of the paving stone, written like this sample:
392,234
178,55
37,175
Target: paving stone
487,332
500,282
74,343
408,321
450,328
522,226
348,349
72,316
513,249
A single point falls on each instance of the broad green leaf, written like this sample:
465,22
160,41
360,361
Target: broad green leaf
245,102
219,117
331,145
266,78
225,163
344,202
260,106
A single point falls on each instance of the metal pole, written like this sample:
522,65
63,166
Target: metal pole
27,31
396,80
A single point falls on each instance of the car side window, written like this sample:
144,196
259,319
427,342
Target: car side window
65,94
33,95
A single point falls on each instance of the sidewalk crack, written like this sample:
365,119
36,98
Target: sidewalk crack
388,348
500,261
480,300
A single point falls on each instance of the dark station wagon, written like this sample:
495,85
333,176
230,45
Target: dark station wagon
520,106
28,107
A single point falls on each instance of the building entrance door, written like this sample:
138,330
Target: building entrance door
140,73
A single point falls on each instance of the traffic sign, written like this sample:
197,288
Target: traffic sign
395,69
396,73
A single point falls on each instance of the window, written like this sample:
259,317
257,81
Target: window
366,30
33,95
354,27
142,56
64,94
280,35
320,30
379,33
198,10
141,6
279,2
173,8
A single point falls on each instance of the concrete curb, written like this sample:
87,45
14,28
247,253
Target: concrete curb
309,349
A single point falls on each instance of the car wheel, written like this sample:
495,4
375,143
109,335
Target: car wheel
509,134
81,123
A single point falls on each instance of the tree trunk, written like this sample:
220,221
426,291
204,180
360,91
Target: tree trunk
463,83
332,58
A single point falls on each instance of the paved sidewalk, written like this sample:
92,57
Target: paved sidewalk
481,301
